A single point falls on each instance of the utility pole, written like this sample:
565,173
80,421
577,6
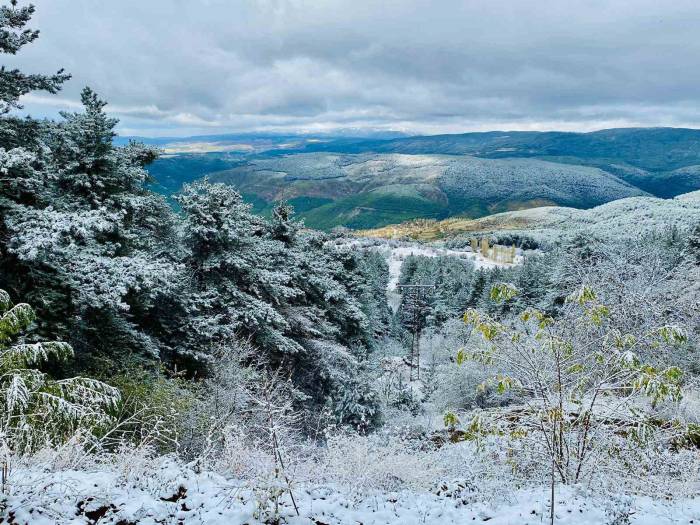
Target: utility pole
415,295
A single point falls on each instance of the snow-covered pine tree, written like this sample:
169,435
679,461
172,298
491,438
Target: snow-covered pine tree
13,36
82,238
98,246
283,227
104,258
19,145
238,273
295,298
19,142
40,411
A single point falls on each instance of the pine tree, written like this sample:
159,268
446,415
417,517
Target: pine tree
478,287
13,36
18,133
233,265
38,410
694,244
283,226
105,259
96,242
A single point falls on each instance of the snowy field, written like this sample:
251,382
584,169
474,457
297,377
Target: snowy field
178,495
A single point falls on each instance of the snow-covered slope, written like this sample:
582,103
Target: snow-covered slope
618,218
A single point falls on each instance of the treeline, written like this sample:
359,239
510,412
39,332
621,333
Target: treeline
111,269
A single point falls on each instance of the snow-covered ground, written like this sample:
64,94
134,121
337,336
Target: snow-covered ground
177,495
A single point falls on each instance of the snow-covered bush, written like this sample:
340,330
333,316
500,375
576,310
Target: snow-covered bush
243,424
458,388
618,510
378,462
582,380
153,412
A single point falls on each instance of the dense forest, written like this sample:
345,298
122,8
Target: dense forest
216,366
113,271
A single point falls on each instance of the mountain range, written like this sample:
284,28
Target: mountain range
370,182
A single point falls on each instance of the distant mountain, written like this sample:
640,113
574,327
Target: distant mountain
370,190
186,159
653,159
366,182
650,149
257,142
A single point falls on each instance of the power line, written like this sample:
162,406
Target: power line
417,306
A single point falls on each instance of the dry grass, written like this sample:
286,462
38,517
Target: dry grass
431,230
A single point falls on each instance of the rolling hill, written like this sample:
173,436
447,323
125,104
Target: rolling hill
370,190
662,161
376,181
624,217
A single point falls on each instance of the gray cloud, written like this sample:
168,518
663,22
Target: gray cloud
185,67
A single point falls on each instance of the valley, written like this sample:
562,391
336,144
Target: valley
372,183
317,320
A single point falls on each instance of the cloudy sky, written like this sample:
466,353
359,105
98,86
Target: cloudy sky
176,67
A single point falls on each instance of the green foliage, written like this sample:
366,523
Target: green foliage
583,295
489,328
450,419
154,406
691,436
503,292
38,410
659,385
672,334
373,209
14,320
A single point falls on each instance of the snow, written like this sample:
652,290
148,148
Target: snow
396,252
41,498
397,255
617,219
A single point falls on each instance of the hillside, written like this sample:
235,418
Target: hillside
645,156
619,218
372,190
647,148
382,180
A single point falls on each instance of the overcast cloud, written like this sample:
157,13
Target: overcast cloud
176,67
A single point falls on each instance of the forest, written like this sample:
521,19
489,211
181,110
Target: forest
200,363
